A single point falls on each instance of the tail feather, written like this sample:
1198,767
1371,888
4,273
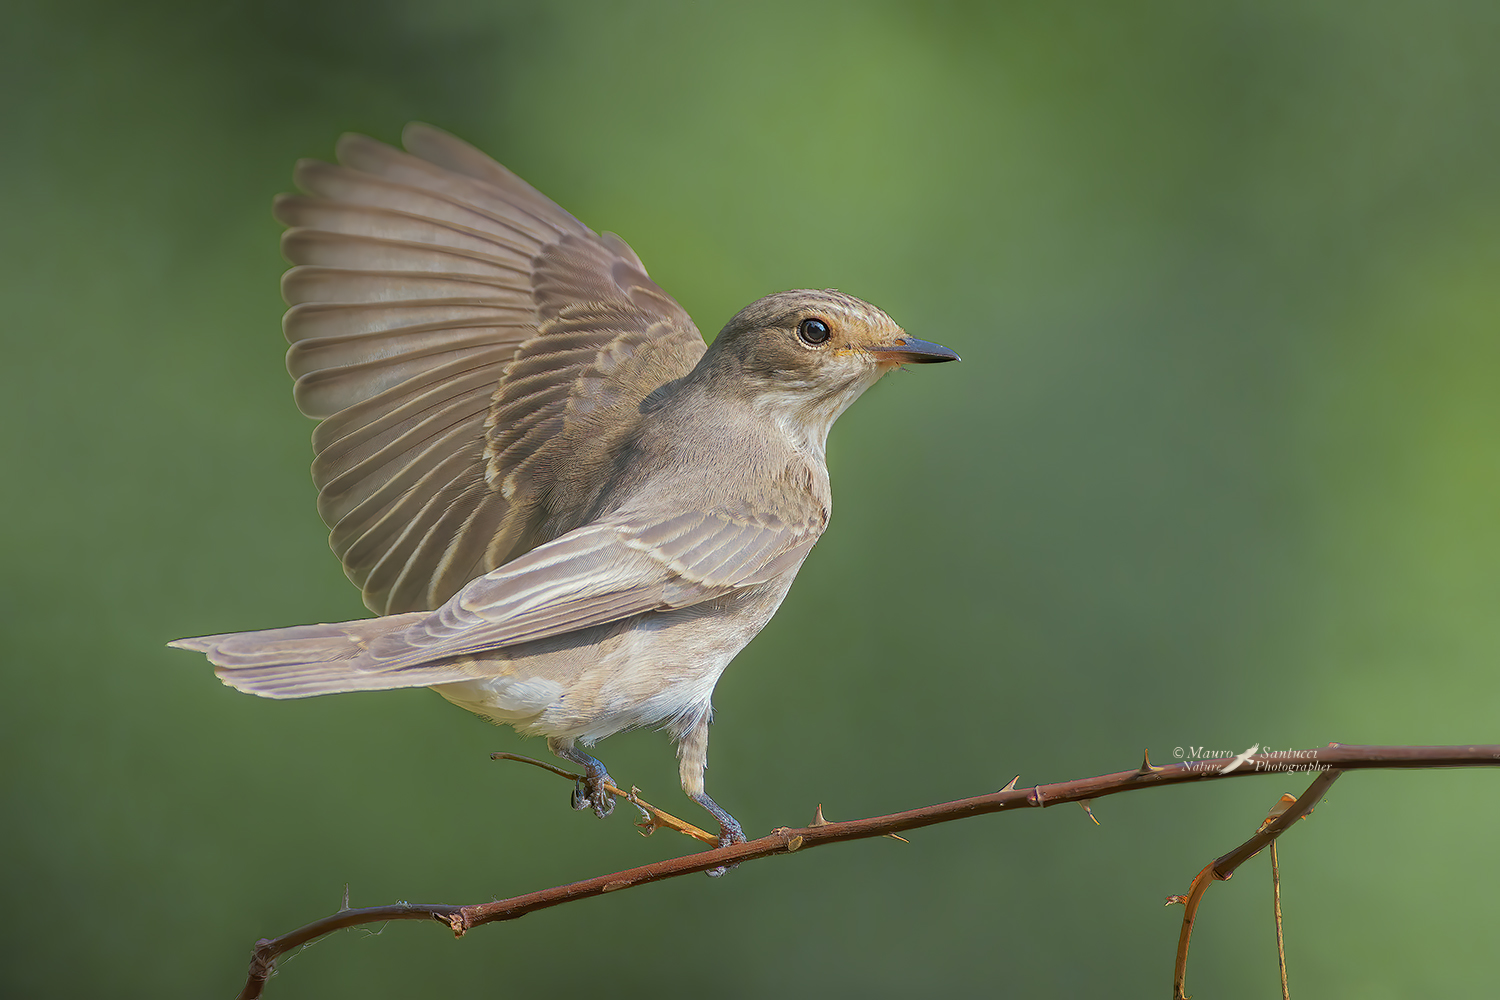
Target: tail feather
307,660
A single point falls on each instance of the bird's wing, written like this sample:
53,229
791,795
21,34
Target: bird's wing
602,573
462,339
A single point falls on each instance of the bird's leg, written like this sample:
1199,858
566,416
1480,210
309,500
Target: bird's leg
729,827
592,795
692,755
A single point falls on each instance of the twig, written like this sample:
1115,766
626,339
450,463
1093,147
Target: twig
1286,994
655,819
1223,867
460,919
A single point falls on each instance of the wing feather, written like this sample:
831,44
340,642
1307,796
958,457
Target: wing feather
598,574
353,287
319,320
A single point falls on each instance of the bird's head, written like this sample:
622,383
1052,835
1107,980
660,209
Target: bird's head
806,355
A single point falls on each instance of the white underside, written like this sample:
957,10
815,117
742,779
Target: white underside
653,670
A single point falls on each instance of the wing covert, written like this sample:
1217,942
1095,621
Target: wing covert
601,573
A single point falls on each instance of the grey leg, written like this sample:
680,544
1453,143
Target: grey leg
592,795
692,755
729,827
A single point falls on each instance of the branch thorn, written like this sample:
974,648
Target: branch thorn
1146,766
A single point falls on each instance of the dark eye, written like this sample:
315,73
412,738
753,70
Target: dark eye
813,331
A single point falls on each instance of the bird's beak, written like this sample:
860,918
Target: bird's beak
911,351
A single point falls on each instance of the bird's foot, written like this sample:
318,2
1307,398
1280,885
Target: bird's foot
730,831
727,836
589,793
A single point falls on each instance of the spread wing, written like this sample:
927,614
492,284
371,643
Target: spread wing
600,573
468,346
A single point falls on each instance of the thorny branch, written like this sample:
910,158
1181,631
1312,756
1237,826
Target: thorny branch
1331,759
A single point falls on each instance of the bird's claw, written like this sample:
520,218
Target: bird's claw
729,833
590,793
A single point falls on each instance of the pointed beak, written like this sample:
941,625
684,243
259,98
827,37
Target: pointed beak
911,351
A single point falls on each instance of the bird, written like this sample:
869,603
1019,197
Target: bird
567,511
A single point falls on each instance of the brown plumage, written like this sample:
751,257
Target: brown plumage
569,512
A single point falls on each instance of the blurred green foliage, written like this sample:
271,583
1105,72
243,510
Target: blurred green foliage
1219,468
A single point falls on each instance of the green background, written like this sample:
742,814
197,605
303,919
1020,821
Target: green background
1218,468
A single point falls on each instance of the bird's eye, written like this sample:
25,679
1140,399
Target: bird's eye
813,331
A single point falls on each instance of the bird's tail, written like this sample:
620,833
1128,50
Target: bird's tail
307,660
